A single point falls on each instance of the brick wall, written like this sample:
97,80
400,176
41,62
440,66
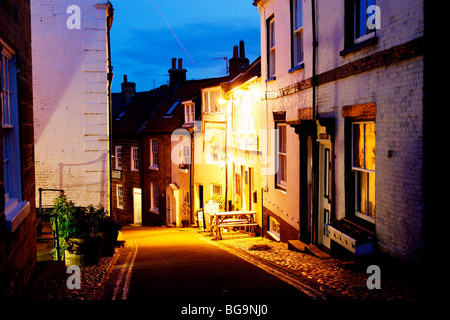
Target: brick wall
18,246
71,102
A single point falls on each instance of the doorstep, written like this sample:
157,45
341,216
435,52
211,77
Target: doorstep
297,245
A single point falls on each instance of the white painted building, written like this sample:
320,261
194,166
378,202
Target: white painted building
343,80
71,81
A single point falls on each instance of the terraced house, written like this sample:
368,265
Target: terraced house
342,82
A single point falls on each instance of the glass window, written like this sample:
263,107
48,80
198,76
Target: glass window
118,157
135,159
153,153
297,29
361,17
364,169
271,47
119,194
154,197
281,155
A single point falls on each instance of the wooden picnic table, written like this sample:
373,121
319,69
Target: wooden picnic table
230,219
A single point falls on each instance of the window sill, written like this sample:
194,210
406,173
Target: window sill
15,214
357,46
274,235
281,189
155,211
271,79
153,168
299,67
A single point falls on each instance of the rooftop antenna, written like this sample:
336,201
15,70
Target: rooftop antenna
226,63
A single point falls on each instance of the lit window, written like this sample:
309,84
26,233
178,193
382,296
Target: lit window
364,169
186,155
274,229
271,48
216,189
153,154
135,159
281,177
154,200
118,157
211,100
119,194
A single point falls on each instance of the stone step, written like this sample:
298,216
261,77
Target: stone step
296,245
317,252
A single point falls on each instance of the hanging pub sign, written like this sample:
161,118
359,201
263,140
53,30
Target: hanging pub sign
116,174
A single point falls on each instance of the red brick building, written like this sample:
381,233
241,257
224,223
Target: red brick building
17,182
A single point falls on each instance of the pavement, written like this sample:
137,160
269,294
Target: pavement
336,278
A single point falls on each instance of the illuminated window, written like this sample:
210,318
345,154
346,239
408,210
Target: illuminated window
281,177
154,200
186,155
211,100
119,196
153,154
271,47
118,157
364,169
216,189
135,159
274,229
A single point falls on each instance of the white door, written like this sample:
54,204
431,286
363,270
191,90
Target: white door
324,192
137,205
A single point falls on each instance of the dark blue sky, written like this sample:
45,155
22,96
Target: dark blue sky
142,44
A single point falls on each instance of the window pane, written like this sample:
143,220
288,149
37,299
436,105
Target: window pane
369,148
281,138
358,145
371,195
361,190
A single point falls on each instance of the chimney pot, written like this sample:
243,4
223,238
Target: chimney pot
241,49
174,63
125,78
235,51
180,63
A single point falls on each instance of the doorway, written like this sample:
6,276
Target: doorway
324,192
137,205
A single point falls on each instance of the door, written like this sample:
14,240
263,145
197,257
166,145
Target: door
137,205
324,192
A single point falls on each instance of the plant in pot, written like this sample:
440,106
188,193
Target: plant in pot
185,213
108,228
76,233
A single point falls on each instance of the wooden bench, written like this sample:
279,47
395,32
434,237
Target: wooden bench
230,219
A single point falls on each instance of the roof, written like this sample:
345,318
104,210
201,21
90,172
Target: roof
129,117
253,70
169,115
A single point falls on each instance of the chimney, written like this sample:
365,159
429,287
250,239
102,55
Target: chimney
238,63
128,89
177,75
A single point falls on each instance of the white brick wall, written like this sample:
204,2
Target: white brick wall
71,103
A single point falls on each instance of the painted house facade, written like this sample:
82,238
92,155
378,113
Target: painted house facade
71,47
17,205
343,84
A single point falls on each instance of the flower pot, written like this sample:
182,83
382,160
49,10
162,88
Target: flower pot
75,252
109,242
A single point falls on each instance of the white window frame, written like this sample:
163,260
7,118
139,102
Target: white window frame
274,229
153,154
281,153
119,196
16,209
135,159
189,112
154,200
271,45
297,32
186,155
214,187
118,157
206,100
358,171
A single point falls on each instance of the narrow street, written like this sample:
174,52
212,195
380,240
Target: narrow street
177,265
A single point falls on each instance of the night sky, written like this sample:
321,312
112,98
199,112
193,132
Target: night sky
142,44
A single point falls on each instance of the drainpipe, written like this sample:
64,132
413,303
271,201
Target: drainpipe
314,60
109,20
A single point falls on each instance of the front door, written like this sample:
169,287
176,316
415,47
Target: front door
324,192
137,205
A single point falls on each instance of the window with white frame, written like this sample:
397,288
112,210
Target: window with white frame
118,157
186,155
363,134
189,112
297,32
216,189
153,154
271,47
281,174
134,158
360,20
154,200
10,125
119,196
274,229
211,100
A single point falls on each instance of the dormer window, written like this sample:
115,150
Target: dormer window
189,112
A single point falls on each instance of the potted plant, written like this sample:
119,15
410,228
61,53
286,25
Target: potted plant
108,228
185,213
76,232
